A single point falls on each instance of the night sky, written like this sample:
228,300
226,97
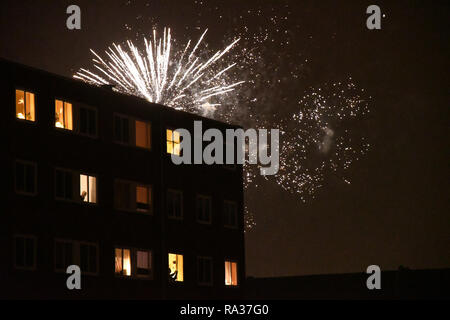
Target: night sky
395,211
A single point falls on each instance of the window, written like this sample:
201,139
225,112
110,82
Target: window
26,178
121,129
64,255
203,209
88,258
231,278
142,134
175,204
143,263
176,267
132,132
63,115
204,271
67,183
133,263
25,252
83,254
88,188
64,185
143,198
131,196
123,262
25,105
230,214
87,121
173,142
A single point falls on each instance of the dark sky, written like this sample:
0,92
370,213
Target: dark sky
396,210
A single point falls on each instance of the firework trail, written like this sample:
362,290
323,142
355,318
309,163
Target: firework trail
182,79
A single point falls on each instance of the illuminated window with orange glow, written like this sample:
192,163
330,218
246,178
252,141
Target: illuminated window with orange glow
176,267
143,198
25,105
173,142
142,134
123,262
63,115
88,188
231,278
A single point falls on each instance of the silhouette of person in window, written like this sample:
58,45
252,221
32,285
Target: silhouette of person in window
173,275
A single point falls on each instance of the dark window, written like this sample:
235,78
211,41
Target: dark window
203,208
64,184
204,270
175,204
122,129
230,214
88,121
25,252
143,263
25,178
88,258
63,255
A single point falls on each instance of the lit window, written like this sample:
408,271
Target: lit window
25,178
231,273
131,196
175,204
88,257
63,115
25,105
143,263
123,262
173,142
176,267
88,189
63,255
205,270
203,208
230,214
24,251
142,134
143,198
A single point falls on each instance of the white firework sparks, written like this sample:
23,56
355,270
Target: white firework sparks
178,79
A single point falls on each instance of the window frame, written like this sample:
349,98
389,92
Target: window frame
151,264
135,184
89,175
177,253
35,105
25,236
238,280
131,131
76,255
76,175
211,260
172,142
170,216
64,101
203,196
25,162
133,263
77,122
229,226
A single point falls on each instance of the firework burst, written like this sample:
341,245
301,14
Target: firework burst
182,79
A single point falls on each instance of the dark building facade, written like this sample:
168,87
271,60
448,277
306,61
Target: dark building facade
89,181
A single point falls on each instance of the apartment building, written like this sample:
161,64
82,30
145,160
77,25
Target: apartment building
89,181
